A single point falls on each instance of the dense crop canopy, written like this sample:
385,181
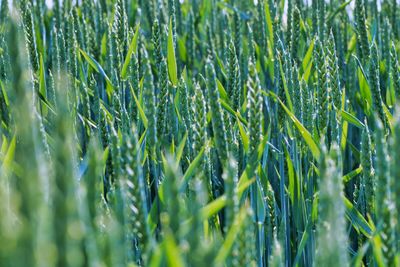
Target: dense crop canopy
199,133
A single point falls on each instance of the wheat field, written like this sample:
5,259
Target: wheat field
199,133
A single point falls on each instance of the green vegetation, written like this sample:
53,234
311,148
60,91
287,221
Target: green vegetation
199,133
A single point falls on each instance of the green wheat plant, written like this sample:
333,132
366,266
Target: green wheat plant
199,132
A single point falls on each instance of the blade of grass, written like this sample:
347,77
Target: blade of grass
132,49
